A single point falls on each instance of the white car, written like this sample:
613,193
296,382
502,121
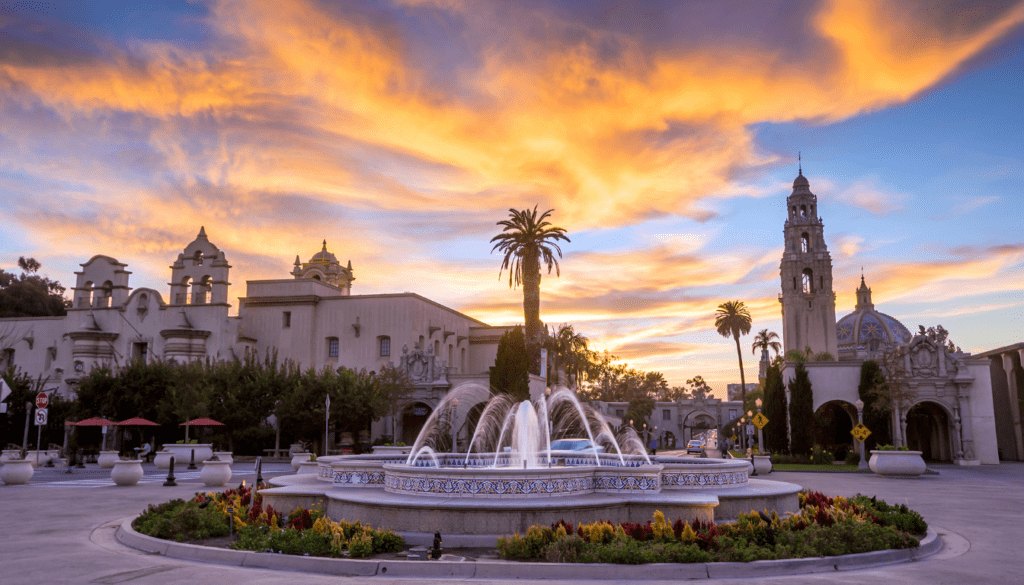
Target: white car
575,445
695,446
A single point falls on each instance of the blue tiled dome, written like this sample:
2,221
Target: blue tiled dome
863,325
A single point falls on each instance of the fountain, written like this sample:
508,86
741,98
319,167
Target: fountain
510,478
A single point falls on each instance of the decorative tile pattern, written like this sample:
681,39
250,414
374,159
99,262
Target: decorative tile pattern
375,477
489,486
626,483
684,479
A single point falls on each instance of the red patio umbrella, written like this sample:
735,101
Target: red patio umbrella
137,422
200,422
95,422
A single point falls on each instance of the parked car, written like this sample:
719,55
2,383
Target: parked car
695,446
575,445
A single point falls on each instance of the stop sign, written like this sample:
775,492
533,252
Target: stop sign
42,400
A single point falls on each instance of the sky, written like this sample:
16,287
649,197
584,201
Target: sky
664,136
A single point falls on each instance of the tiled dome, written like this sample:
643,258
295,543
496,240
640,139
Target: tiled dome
865,324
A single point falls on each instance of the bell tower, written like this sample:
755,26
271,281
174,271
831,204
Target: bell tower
808,302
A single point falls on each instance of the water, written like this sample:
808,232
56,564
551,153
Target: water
521,431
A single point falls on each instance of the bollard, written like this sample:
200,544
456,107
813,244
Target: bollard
259,473
192,462
170,475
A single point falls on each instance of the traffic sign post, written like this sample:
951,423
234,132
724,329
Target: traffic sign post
760,420
41,416
42,400
861,432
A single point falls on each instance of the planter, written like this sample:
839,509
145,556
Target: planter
10,455
126,473
162,459
762,464
308,467
389,450
224,456
16,471
298,458
215,473
183,453
107,459
897,463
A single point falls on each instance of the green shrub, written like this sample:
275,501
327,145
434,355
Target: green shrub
180,520
819,456
900,517
852,458
565,550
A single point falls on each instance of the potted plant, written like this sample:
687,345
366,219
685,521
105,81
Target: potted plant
107,459
762,462
299,458
889,461
216,472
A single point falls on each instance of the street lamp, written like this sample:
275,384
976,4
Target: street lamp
455,426
860,420
760,432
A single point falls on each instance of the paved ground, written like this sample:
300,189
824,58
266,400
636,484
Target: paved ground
59,529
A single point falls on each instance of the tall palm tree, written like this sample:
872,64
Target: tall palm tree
527,240
766,340
732,319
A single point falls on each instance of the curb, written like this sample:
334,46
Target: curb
127,536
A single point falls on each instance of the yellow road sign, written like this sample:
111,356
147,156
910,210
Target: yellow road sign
760,420
861,432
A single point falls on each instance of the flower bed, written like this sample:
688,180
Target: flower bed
824,527
263,529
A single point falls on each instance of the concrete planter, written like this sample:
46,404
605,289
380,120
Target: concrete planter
162,459
299,458
16,471
309,467
215,473
10,455
762,464
127,473
224,456
897,463
107,459
183,452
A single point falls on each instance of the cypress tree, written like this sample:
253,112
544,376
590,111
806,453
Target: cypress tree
510,373
801,412
878,420
776,438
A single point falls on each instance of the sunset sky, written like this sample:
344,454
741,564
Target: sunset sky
664,135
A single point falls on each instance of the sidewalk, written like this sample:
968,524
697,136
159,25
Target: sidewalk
61,533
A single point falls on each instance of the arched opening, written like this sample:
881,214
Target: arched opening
86,299
833,422
808,281
805,242
667,440
181,298
200,291
928,431
414,417
106,295
803,211
697,423
197,258
316,277
437,348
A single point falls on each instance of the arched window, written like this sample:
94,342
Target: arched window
197,258
108,293
808,281
803,211
182,297
805,242
437,348
86,299
316,277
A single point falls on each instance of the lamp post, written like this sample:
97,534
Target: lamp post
860,420
760,432
455,426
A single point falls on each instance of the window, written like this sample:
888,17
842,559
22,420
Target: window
808,281
385,346
805,242
803,211
666,414
6,358
332,347
733,413
287,319
620,412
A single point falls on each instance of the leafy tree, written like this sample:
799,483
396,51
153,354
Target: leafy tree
30,295
638,411
801,412
775,408
526,241
510,373
568,351
732,319
878,419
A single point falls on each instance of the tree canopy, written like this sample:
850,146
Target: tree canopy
30,295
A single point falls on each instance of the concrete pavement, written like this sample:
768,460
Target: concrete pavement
58,531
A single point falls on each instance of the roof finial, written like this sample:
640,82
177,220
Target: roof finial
799,164
325,245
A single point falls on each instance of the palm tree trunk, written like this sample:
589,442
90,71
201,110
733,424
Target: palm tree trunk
531,307
743,386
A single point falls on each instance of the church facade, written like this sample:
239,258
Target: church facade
943,397
312,317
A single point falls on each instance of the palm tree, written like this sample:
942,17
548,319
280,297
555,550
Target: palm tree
527,240
732,319
569,352
766,340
